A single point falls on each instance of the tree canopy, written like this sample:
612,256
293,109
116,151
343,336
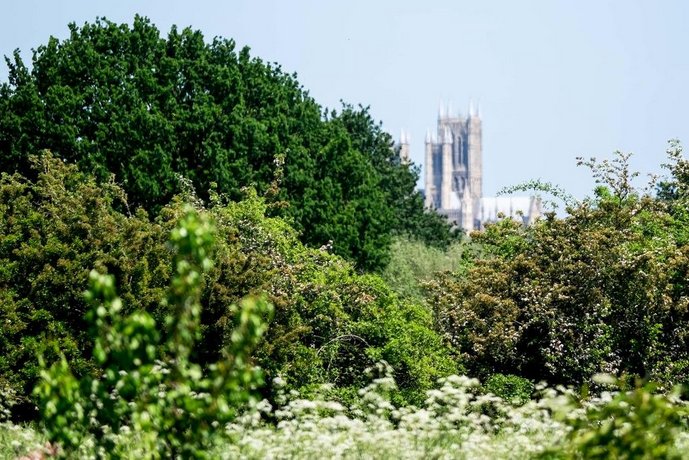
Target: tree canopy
119,99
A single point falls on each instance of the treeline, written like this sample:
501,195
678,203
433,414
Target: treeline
121,100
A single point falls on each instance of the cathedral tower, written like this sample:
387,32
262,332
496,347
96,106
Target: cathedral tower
454,175
454,168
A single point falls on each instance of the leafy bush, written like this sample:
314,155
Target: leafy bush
626,424
52,232
634,424
511,388
330,322
601,290
148,386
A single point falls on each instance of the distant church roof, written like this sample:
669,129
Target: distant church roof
507,205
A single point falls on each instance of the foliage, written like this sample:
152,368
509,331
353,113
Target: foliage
456,420
119,99
539,186
8,398
52,231
412,263
16,440
330,322
408,217
633,424
150,386
675,190
511,388
602,290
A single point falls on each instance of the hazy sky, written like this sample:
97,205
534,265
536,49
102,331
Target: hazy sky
555,79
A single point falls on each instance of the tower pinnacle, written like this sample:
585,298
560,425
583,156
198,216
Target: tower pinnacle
405,154
404,137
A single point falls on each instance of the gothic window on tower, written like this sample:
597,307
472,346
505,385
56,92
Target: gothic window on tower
465,156
457,148
437,164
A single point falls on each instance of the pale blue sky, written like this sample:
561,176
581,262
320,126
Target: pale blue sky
556,79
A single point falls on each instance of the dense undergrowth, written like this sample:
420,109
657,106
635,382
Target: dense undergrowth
182,375
601,290
330,323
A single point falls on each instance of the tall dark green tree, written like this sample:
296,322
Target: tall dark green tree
119,99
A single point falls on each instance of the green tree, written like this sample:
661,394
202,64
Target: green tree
122,100
51,231
148,388
398,181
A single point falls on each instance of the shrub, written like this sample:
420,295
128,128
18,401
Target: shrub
53,231
150,386
512,388
330,322
602,290
639,423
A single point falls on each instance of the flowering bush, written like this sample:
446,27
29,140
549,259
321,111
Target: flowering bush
602,290
454,422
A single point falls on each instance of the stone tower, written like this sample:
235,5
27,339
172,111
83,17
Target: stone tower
454,175
454,168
